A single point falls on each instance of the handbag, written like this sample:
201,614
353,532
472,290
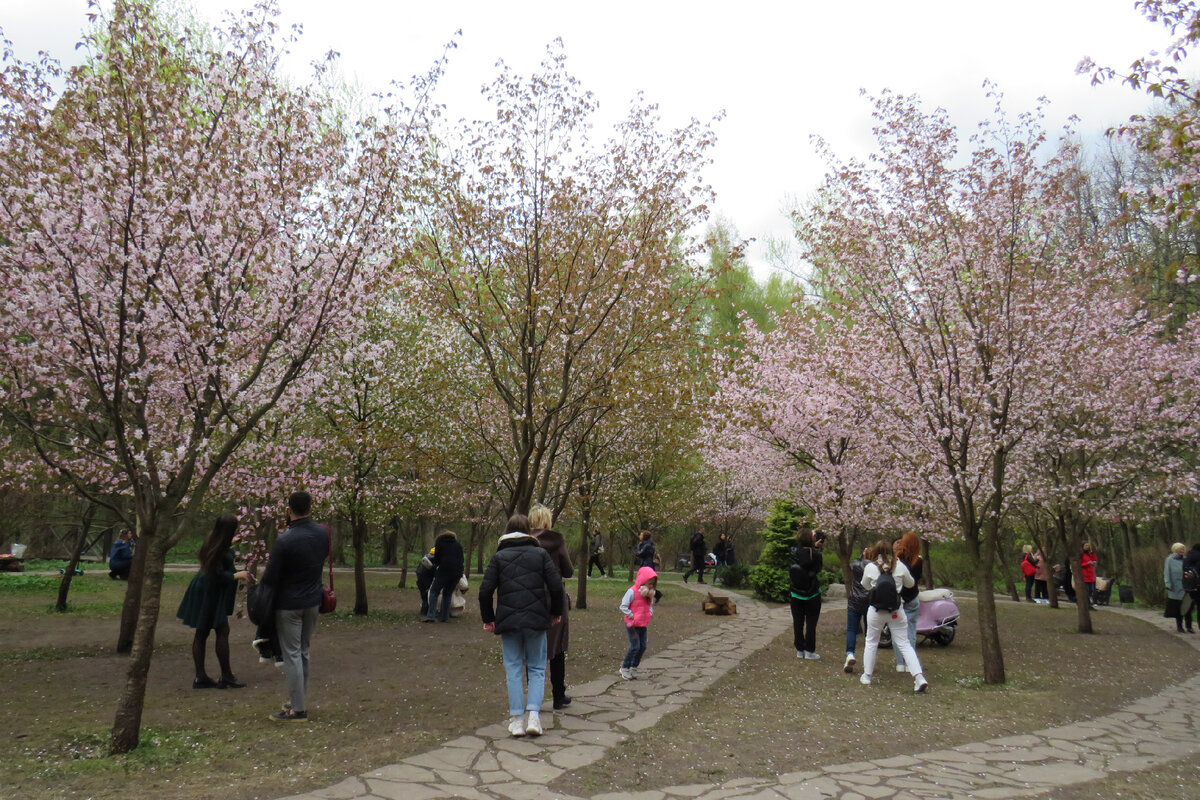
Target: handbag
328,595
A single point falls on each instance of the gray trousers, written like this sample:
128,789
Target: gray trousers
294,628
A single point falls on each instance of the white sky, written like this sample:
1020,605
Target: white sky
781,70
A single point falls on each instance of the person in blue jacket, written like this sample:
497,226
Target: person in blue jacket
120,558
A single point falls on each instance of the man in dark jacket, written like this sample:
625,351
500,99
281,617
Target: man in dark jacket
530,598
699,553
294,574
448,562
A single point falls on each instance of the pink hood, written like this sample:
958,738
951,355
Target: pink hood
642,607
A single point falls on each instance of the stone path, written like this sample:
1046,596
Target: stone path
489,765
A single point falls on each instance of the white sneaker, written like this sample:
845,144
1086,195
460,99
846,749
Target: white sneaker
627,673
799,654
920,685
812,656
848,667
534,726
901,668
516,726
633,673
864,679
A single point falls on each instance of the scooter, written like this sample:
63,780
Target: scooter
937,618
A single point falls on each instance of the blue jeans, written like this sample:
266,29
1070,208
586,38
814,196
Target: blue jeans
910,610
524,654
443,589
854,621
637,646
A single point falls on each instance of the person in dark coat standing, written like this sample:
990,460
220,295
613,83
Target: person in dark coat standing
805,585
558,635
645,550
857,603
699,554
528,596
1192,561
293,573
208,602
120,558
449,562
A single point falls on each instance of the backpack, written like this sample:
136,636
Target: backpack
1191,579
884,595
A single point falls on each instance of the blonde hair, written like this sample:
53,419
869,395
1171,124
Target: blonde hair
1178,547
540,517
1027,548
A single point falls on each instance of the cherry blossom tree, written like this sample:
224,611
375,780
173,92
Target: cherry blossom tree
558,262
961,282
185,230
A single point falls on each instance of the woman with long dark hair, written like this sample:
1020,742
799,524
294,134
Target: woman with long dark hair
208,602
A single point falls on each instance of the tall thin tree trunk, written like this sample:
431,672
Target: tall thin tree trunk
128,723
131,608
585,557
359,527
64,587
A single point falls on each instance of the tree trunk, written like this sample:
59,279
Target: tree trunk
359,528
64,587
927,574
128,723
390,537
133,599
1010,585
585,557
989,631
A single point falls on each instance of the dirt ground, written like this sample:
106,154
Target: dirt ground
385,686
382,687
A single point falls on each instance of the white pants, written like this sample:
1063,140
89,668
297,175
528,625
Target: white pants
897,621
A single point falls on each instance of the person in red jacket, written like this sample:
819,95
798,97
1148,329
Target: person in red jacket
1029,565
1087,568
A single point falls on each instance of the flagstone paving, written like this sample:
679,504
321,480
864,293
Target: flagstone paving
490,765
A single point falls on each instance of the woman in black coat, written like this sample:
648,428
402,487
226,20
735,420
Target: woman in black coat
558,634
805,593
208,602
529,596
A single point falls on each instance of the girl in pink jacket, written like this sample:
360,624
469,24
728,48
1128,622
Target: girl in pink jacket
638,607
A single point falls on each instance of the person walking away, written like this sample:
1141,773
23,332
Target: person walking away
558,634
908,551
721,554
1176,595
883,578
856,610
449,563
1087,568
528,595
294,574
1029,565
120,558
805,585
208,602
699,553
597,550
638,607
1041,581
645,550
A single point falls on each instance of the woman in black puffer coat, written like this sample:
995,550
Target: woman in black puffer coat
529,597
805,593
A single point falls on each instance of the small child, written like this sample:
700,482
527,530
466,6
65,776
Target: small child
638,607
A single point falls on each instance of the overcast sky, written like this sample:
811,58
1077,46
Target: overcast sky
781,71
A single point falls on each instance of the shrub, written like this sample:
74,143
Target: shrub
770,577
770,583
735,576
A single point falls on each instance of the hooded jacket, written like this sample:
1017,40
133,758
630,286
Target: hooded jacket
448,559
638,603
527,586
557,636
804,574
